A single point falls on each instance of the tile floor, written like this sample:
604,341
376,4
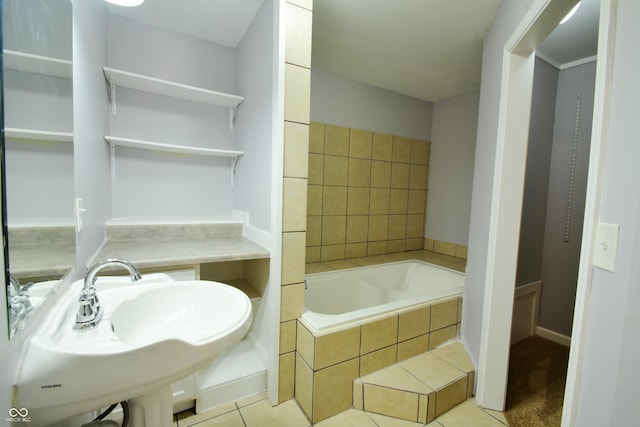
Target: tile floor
256,411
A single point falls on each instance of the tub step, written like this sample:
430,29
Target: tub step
418,389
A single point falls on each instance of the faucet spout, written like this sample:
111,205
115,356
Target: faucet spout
90,312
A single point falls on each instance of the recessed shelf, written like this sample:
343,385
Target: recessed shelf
172,89
23,61
38,135
168,148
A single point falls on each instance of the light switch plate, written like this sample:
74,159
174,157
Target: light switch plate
606,246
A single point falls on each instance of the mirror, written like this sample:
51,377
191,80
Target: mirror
38,186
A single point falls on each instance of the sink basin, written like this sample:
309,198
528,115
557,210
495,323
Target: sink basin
153,332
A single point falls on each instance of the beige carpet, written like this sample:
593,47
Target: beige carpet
537,376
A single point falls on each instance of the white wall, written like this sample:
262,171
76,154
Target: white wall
345,102
453,140
90,118
507,18
255,76
536,185
609,376
152,184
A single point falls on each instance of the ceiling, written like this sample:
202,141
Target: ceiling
426,49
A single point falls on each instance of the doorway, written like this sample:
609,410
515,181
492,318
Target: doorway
508,190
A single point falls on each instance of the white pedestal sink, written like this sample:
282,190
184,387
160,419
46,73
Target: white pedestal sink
153,332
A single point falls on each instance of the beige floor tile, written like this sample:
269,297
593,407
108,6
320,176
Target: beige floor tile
396,377
230,419
384,421
391,402
189,417
286,414
348,418
431,369
497,415
467,414
251,399
455,354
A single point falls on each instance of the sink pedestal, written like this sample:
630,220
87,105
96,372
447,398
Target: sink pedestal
152,410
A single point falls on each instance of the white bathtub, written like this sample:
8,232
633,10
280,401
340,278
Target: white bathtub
337,298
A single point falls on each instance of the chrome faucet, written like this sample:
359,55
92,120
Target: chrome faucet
90,312
19,303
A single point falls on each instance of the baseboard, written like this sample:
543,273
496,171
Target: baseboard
526,303
553,336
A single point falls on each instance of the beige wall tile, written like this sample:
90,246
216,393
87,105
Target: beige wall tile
360,144
357,228
316,137
336,140
312,254
336,348
358,201
304,386
397,227
333,389
382,147
379,334
380,174
418,177
399,175
423,408
376,248
414,243
415,225
355,250
428,244
314,230
401,149
378,359
293,258
444,314
379,201
291,302
316,169
461,251
450,396
286,374
297,93
334,200
334,230
417,203
288,336
414,323
442,335
294,209
413,347
336,170
459,310
471,379
391,402
298,35
419,152
378,228
296,150
332,252
359,172
398,202
394,246
358,401
305,344
431,412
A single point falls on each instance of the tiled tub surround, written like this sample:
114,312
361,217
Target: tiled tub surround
327,364
367,193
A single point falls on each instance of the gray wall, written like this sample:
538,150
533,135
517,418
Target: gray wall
453,141
559,267
534,204
340,101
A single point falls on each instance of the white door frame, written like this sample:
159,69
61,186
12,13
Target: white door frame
508,186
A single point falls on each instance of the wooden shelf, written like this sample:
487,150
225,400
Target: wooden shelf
168,148
37,64
38,135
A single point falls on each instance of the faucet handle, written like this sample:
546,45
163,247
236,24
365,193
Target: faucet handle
89,312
